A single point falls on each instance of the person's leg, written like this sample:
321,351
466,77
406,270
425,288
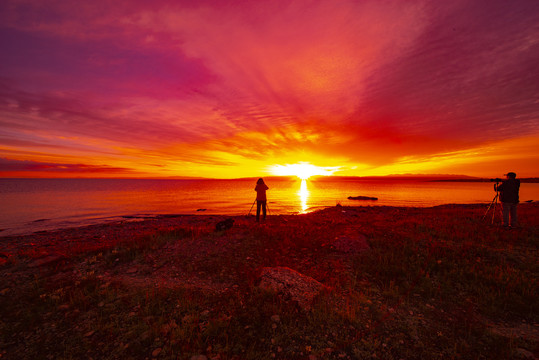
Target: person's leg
258,204
264,210
505,211
514,219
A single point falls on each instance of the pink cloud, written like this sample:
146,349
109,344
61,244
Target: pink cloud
368,81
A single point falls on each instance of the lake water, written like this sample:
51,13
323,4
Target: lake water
28,205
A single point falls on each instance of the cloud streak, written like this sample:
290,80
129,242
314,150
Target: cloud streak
25,166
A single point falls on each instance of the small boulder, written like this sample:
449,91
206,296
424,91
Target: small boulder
524,354
224,225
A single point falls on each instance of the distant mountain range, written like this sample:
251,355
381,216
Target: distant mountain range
420,177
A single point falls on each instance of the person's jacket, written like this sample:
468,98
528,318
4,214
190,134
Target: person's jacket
261,192
509,190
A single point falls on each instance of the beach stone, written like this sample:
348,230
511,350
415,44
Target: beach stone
48,260
291,284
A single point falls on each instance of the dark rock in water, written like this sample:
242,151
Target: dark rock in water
362,198
291,284
201,209
168,216
224,225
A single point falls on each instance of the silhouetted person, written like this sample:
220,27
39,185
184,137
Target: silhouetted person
509,198
261,198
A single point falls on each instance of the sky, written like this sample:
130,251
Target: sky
226,89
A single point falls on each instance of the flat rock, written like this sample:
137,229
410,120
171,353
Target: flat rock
291,284
351,243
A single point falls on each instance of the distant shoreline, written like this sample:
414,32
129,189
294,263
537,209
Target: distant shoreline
160,220
522,180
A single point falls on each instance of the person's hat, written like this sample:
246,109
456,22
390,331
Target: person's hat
511,175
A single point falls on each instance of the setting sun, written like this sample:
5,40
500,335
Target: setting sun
303,170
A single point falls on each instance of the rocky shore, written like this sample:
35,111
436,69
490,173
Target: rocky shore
343,282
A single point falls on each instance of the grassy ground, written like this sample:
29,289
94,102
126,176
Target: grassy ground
435,283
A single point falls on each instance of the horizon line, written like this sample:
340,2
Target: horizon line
391,176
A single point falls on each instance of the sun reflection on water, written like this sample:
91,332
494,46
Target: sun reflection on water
303,195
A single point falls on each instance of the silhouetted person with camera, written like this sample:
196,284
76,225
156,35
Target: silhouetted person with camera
509,198
261,199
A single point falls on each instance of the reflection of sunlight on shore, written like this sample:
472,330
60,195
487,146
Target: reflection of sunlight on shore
303,195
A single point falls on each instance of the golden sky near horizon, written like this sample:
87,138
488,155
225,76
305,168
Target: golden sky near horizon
229,89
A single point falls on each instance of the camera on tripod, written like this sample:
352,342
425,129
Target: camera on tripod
494,202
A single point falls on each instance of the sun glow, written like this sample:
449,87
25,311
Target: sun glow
303,195
303,170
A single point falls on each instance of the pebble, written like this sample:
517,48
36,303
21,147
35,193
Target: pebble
199,357
156,352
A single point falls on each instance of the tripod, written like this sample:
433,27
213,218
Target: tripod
495,203
267,207
249,213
